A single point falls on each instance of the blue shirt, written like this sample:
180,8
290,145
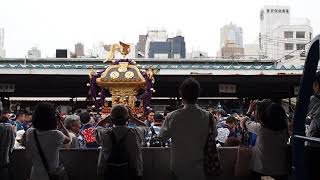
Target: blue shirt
19,126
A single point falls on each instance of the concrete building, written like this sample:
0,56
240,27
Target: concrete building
197,54
283,38
99,51
63,53
158,45
141,46
252,51
2,51
231,50
152,37
34,53
231,33
79,50
1,37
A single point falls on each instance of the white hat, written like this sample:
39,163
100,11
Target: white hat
19,134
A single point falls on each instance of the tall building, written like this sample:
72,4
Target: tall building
141,46
231,33
178,47
2,51
282,37
34,53
63,53
158,45
152,37
1,37
79,49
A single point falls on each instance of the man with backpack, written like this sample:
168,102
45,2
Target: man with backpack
120,156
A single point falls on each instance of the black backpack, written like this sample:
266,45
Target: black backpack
118,162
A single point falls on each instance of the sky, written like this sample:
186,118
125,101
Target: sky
53,24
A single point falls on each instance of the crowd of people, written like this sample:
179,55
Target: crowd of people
264,127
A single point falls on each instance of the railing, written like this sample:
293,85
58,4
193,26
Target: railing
141,60
305,93
309,139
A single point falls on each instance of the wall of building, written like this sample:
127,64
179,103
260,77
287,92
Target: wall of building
1,38
272,17
277,46
178,47
231,50
251,51
158,45
159,48
2,53
231,33
34,53
79,50
275,26
141,46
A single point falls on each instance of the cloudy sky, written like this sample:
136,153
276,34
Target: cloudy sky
52,24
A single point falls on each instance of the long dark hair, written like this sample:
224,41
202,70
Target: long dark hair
44,117
274,117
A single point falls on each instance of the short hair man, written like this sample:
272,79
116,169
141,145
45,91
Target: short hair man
73,124
150,118
188,128
20,120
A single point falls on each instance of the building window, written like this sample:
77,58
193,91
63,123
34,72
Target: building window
288,34
287,10
300,34
300,46
268,10
271,10
288,46
275,10
283,10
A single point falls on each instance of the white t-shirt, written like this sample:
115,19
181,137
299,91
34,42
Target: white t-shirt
50,142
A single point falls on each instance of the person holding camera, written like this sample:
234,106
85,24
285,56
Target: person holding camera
269,156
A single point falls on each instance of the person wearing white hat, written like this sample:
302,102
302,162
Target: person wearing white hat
18,140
